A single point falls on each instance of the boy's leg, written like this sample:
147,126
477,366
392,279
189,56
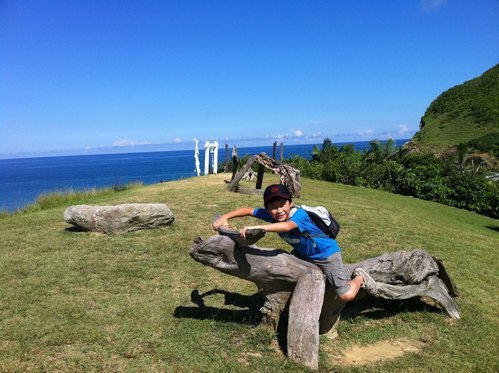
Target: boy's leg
355,285
346,288
338,276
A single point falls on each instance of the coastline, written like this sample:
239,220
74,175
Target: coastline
22,180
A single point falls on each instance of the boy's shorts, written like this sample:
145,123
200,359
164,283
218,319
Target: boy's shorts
335,271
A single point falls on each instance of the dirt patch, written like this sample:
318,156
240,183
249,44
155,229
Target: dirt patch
379,351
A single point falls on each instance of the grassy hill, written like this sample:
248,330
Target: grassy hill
467,113
79,302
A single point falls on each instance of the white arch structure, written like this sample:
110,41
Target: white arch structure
210,148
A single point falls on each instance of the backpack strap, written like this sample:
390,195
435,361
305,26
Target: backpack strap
307,234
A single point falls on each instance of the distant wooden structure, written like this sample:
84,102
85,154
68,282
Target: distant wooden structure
288,175
226,158
235,162
274,151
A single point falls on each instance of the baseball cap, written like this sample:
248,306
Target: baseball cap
275,190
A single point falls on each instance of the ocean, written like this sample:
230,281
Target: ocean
22,180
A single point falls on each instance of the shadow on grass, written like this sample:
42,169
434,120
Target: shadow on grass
75,229
368,307
378,308
494,228
248,313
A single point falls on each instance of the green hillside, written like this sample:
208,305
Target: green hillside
467,113
75,301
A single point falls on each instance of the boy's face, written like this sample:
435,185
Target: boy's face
279,208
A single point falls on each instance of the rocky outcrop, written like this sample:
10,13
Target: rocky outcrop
120,218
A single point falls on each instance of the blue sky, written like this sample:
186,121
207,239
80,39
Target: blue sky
94,74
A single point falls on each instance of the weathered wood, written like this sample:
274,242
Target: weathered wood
330,312
400,267
303,325
250,175
235,162
234,183
259,178
226,163
288,175
253,192
399,275
314,309
273,271
432,287
408,274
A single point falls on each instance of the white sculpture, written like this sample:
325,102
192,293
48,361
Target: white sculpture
196,158
210,148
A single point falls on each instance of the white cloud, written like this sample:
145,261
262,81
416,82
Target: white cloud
431,5
367,133
403,129
294,134
125,142
177,140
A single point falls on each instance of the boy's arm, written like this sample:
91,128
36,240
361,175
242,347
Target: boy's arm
223,221
280,227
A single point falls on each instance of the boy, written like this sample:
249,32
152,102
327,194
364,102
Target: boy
309,243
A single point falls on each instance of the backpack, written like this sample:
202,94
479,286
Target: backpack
321,217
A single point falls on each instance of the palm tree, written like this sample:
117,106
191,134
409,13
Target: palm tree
380,152
327,145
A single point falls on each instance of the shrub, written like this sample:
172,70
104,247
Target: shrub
474,193
421,175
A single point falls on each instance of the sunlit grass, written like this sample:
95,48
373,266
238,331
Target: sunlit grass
69,197
75,301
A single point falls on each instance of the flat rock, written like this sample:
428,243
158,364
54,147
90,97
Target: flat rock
120,218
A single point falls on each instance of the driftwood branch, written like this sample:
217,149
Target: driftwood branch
288,175
314,308
234,183
304,311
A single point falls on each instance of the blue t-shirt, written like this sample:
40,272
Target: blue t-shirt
307,246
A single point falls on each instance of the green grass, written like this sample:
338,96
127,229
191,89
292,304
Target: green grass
467,113
69,197
75,301
442,132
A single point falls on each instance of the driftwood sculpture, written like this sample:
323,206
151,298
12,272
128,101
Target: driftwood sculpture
288,175
299,286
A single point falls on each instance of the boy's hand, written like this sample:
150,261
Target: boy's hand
243,230
220,222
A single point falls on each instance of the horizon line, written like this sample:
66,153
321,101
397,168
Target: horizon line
183,146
